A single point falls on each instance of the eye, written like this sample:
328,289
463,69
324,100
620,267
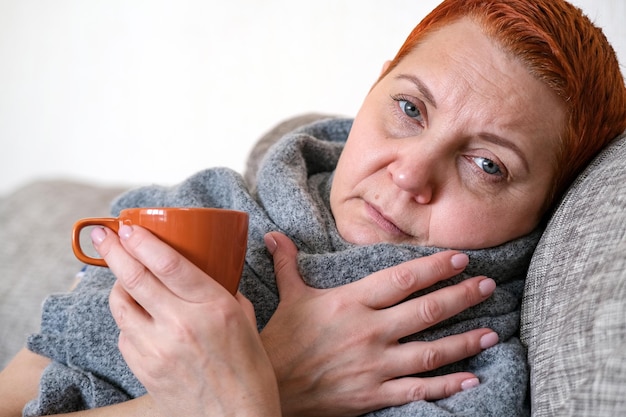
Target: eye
487,165
410,109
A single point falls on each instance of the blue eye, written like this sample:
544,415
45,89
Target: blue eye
410,109
487,165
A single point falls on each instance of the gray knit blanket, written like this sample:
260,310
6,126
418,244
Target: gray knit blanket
292,196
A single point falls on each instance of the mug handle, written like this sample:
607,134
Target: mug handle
110,222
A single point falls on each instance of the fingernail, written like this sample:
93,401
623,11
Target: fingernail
270,243
125,231
459,260
98,235
470,383
488,340
486,286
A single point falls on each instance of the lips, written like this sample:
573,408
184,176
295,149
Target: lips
383,222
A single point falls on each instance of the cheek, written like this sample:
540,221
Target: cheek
343,187
357,164
487,225
474,224
342,180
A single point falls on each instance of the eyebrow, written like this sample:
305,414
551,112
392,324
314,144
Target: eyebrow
500,141
423,89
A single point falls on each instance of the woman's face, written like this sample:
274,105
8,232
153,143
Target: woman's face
455,148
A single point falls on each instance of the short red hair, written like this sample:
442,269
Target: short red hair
562,48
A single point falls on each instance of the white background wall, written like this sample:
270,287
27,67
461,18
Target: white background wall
142,91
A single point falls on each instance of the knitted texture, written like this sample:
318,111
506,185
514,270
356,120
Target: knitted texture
292,194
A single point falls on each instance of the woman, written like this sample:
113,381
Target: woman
468,137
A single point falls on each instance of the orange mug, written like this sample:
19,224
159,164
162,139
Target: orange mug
215,240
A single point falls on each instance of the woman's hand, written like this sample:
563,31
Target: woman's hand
336,351
192,344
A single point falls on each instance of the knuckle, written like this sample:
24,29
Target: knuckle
133,277
417,392
117,307
336,307
431,359
158,367
450,388
429,311
402,278
124,345
469,294
439,268
465,350
168,264
224,315
182,334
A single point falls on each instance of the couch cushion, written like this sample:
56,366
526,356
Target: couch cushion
36,256
574,308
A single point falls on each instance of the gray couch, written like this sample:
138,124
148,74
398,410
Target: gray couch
573,312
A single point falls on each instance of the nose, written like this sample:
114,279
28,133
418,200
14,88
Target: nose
414,171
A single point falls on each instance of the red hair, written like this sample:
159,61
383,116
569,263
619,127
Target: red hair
562,48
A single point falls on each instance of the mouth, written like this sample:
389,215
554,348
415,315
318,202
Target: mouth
383,222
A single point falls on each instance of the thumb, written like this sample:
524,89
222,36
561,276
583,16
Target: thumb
284,252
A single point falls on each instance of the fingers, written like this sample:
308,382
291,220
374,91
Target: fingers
420,313
153,273
132,320
418,357
284,252
133,276
180,275
401,391
125,310
392,285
